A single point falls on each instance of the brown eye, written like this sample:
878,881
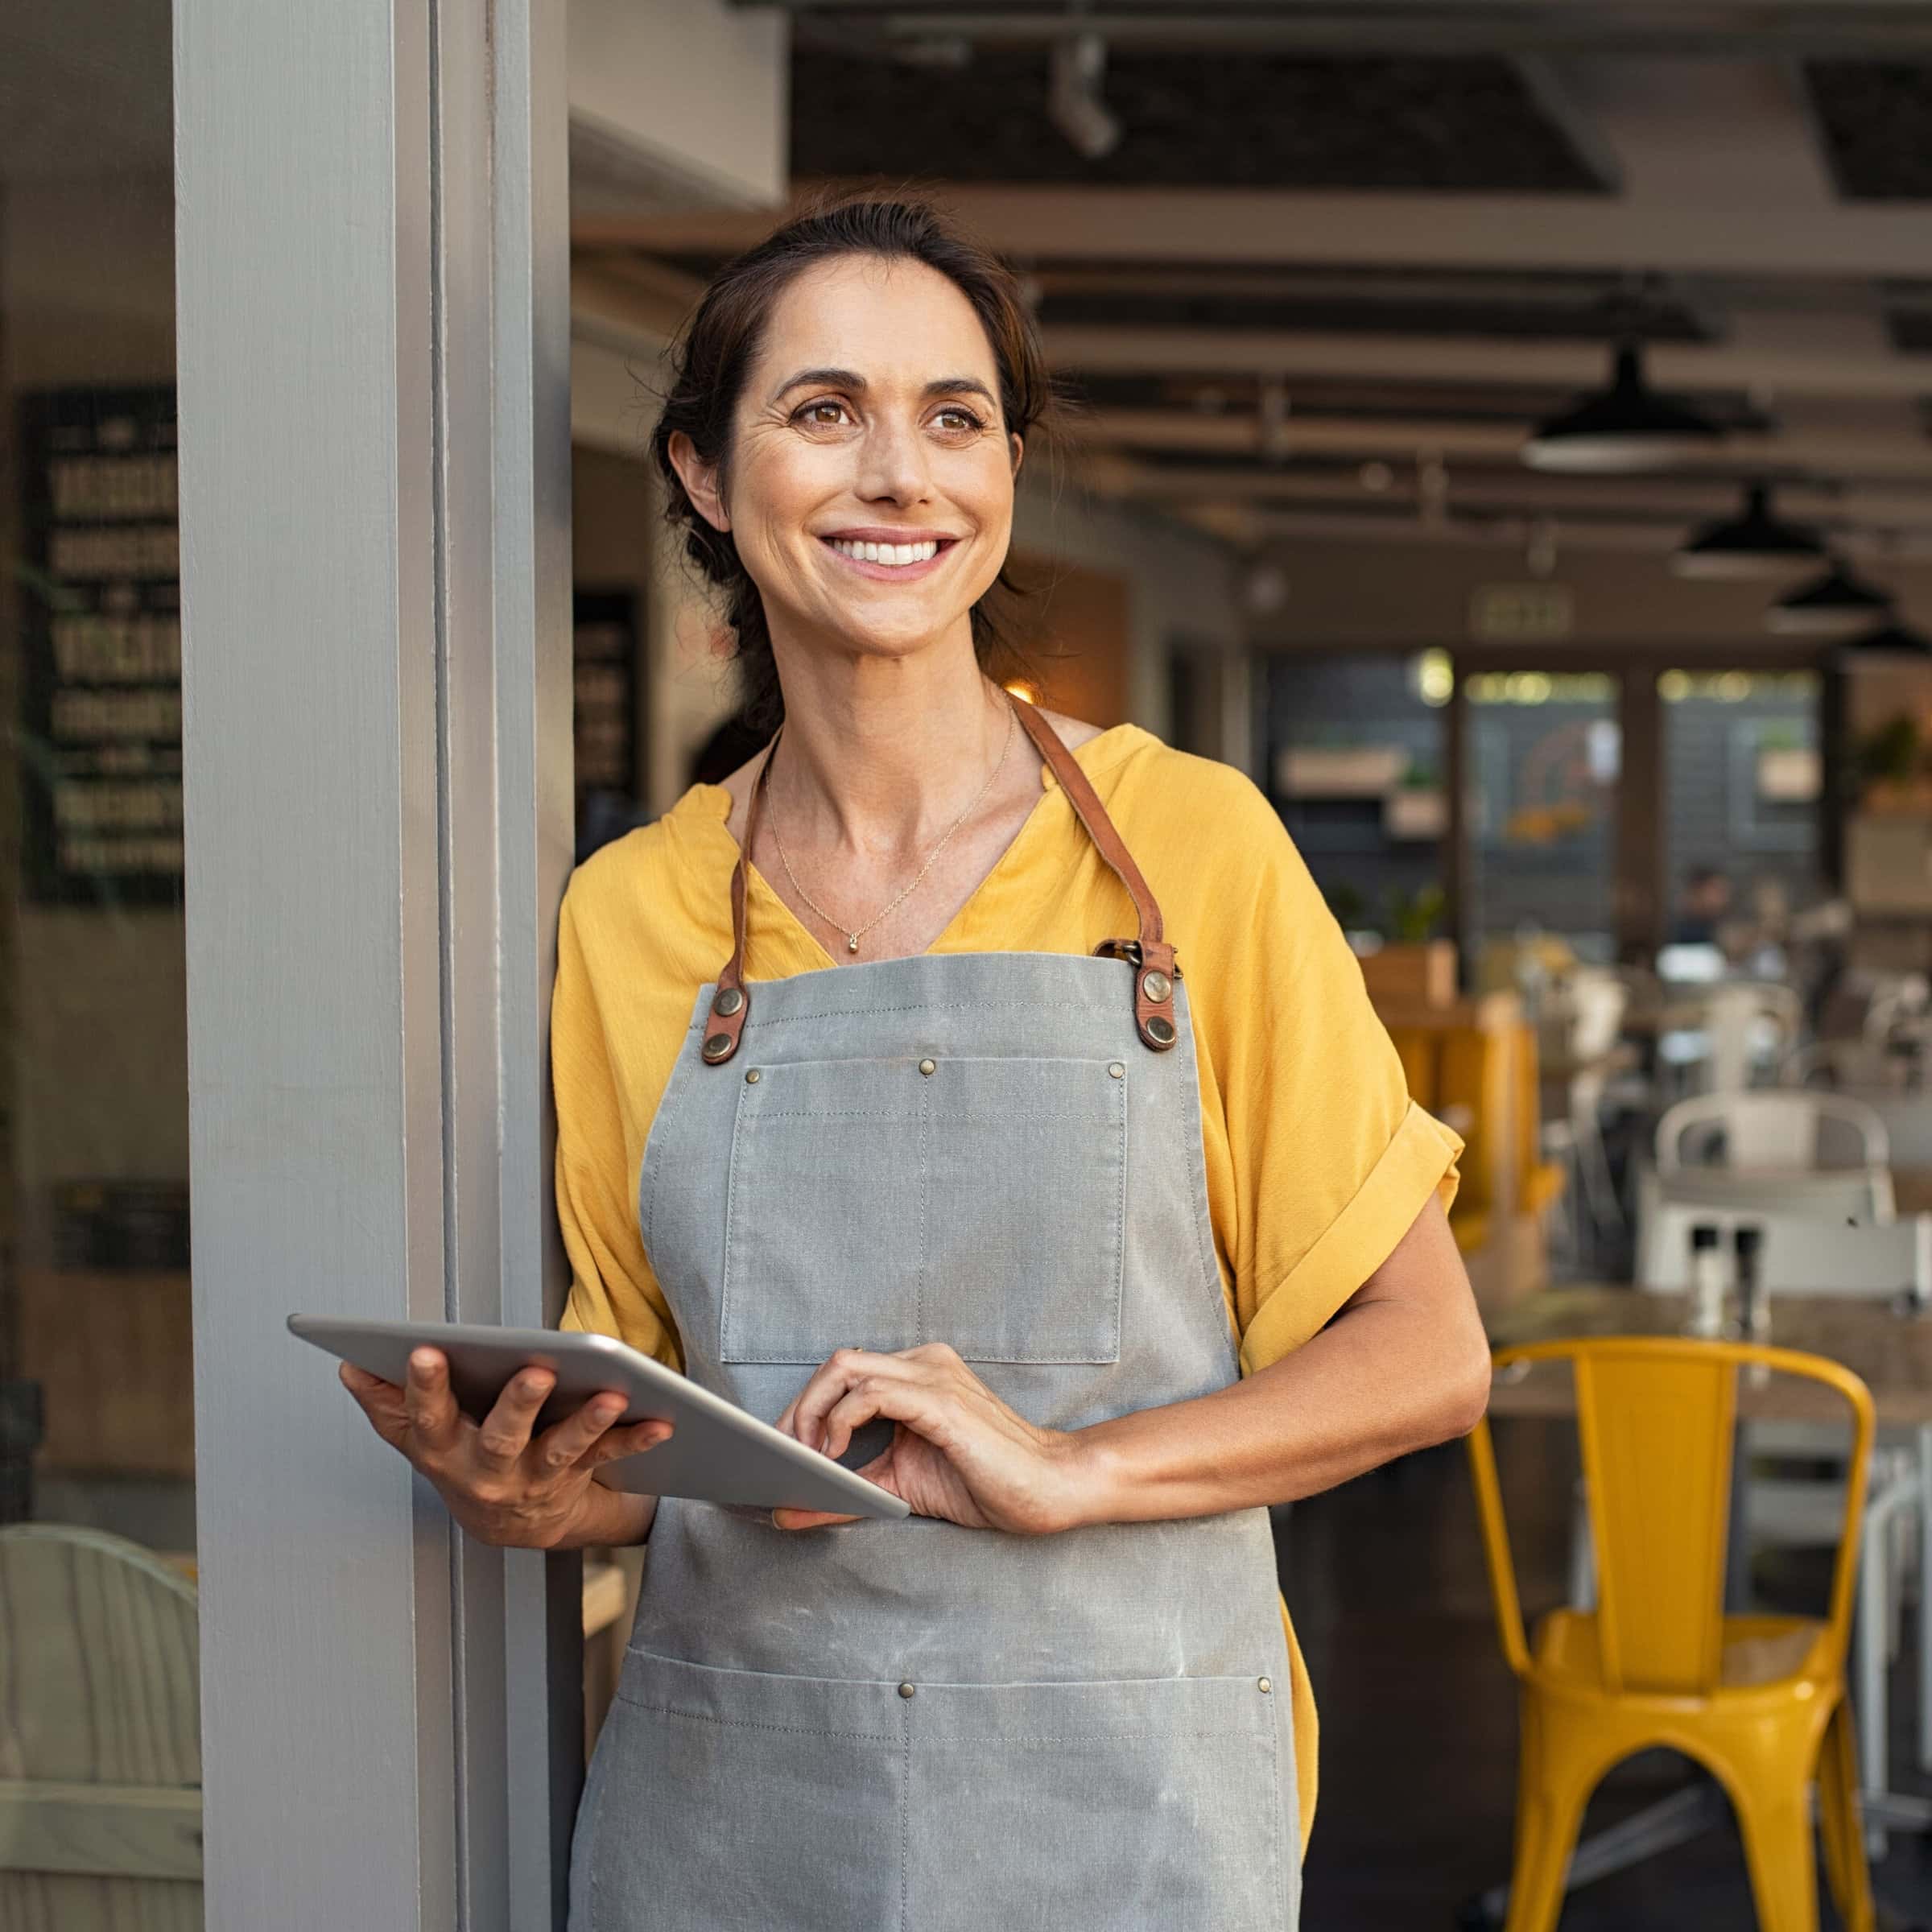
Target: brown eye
964,420
810,412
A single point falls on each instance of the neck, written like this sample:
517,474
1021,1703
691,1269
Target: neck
881,755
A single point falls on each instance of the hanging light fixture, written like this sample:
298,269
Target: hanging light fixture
1627,426
1834,605
1753,544
1074,102
1893,640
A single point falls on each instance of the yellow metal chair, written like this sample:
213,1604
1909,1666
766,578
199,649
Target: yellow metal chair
1758,1701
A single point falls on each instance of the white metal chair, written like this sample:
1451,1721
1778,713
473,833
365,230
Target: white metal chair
1781,1130
1748,1025
101,1806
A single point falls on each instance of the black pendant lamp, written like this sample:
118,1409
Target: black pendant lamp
1893,640
1625,428
1834,605
1753,544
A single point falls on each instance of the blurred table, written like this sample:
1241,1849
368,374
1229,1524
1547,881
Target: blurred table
1891,1353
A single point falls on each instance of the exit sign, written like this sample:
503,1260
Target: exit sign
1521,613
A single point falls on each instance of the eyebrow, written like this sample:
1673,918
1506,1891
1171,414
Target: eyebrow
850,378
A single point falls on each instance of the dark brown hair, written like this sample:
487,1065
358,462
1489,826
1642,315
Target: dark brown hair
715,350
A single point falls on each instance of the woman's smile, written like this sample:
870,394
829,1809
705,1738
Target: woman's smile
890,556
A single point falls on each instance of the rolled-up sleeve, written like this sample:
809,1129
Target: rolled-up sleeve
1327,1160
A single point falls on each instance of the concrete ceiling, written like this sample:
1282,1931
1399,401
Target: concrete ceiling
1747,187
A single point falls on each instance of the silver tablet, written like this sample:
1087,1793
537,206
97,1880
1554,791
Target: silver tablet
718,1454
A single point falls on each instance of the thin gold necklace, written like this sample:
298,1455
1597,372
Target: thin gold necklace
853,935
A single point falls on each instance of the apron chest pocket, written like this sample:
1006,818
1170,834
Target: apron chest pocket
874,1205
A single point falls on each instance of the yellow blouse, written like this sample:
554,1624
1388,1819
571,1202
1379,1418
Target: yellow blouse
1317,1161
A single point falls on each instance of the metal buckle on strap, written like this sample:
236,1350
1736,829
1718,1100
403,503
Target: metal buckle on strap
1126,949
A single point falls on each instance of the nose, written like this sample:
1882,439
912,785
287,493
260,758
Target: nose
892,462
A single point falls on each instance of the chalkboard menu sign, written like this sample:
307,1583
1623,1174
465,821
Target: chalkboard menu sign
606,690
101,610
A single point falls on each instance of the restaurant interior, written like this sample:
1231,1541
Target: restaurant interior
1503,429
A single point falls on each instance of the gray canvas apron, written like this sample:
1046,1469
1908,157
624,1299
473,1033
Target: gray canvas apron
911,1725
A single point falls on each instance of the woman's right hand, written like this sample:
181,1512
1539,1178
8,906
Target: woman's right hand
501,1486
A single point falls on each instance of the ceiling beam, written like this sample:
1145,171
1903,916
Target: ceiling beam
1888,28
1876,455
1741,234
1289,353
1657,499
1254,527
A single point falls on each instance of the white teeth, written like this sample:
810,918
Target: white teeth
893,554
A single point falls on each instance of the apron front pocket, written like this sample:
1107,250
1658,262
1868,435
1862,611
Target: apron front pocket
720,1799
1100,1807
874,1205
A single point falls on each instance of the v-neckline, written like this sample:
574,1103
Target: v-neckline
758,883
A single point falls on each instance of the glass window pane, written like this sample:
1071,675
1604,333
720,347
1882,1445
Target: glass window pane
1545,753
1742,779
96,1417
1354,763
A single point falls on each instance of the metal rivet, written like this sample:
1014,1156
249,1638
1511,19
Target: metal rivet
1263,1685
717,1046
1156,986
1161,1030
928,1066
907,1690
730,1000
1118,1072
751,1076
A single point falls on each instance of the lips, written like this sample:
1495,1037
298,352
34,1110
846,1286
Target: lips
899,561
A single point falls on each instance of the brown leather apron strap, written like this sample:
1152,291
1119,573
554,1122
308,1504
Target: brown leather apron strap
1155,968
732,1000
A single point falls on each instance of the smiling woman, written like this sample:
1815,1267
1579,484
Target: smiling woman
934,377
1086,1262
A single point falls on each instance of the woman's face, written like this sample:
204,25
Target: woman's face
870,417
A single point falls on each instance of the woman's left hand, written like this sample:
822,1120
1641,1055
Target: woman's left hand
957,1450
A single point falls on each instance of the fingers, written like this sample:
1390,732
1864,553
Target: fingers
632,1441
806,1519
855,1384
570,1440
830,1383
435,1422
505,1433
589,1435
382,1402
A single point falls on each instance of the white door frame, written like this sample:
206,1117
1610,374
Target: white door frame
374,363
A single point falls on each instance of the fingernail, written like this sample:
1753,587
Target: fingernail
423,1359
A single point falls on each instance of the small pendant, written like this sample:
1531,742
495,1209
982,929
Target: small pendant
851,942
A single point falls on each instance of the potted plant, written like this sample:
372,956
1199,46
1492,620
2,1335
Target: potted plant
1413,967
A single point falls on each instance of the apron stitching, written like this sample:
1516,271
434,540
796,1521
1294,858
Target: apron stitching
650,1163
1274,1811
894,1113
990,1361
1122,1141
748,1723
1084,1007
905,1817
731,1202
919,1305
1192,1129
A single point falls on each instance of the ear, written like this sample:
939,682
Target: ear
1017,448
700,479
